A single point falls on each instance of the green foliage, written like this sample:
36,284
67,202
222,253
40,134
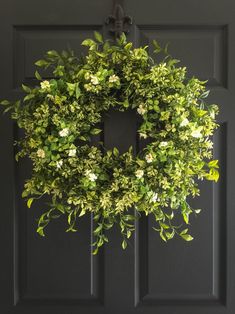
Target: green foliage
116,188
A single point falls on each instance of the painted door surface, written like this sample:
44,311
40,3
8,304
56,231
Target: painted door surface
57,274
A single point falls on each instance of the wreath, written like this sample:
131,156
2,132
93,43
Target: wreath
61,116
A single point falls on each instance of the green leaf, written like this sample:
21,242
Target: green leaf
82,213
170,235
98,229
101,54
40,230
186,217
163,236
29,202
156,46
77,91
100,242
140,162
186,237
95,131
213,175
128,46
71,88
106,46
41,63
126,103
165,50
28,97
98,37
95,251
172,62
61,208
115,152
205,94
163,225
52,53
88,42
65,53
24,194
82,138
5,102
38,76
184,231
128,217
171,216
124,244
26,88
72,229
122,39
213,163
8,109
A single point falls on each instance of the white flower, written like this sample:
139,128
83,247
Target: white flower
163,144
184,122
139,173
91,176
143,135
113,78
155,197
45,85
41,153
59,164
64,132
72,152
141,110
149,158
94,80
196,133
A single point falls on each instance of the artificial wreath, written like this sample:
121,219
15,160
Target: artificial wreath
61,115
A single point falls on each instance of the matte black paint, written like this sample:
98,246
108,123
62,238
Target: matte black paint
58,275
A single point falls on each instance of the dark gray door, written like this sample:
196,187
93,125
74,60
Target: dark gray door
58,274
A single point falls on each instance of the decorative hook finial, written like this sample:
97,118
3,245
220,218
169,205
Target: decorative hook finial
120,22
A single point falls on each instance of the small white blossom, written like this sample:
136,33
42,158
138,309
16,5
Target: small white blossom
139,173
155,197
91,176
94,80
141,110
149,158
41,153
113,78
59,164
64,132
163,144
72,152
184,122
45,85
196,133
143,135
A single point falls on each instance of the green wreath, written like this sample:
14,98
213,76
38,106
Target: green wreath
61,116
